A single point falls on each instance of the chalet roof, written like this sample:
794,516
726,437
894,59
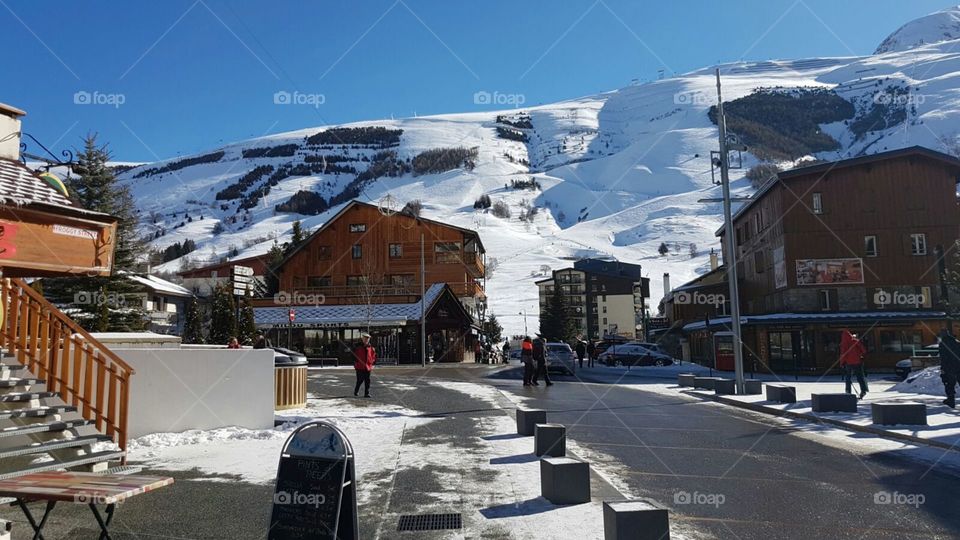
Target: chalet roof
823,168
354,203
257,262
376,313
161,286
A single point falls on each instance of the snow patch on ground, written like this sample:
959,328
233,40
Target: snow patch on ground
926,381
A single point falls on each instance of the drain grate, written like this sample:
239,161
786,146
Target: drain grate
430,522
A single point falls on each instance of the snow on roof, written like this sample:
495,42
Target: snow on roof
161,285
375,313
818,317
19,185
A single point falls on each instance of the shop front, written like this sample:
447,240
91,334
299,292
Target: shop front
332,332
810,343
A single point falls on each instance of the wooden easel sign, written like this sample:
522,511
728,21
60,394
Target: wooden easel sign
316,492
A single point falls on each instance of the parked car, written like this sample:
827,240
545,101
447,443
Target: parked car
560,358
633,354
655,347
606,343
921,359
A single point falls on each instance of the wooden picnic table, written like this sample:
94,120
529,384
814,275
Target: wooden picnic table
91,489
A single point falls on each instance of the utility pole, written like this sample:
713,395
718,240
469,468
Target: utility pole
423,307
731,255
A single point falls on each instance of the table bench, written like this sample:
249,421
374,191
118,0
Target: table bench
87,488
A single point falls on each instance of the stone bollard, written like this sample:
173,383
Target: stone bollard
780,393
753,387
685,379
565,480
725,387
527,419
914,414
550,440
704,382
833,402
637,519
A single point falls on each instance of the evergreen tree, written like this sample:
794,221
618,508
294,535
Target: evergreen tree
117,307
193,325
555,322
223,316
663,249
492,329
271,281
247,327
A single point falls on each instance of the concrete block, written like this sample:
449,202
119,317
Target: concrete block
834,402
527,419
753,387
704,382
636,519
725,387
781,393
565,480
550,440
899,413
686,379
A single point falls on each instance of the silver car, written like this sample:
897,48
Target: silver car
560,358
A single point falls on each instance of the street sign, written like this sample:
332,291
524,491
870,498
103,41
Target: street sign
657,323
242,279
242,271
316,487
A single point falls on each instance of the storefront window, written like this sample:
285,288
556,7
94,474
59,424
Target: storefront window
900,340
780,347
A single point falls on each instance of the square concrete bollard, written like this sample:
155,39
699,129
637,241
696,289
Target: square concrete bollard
753,387
833,402
704,382
527,419
781,393
725,387
565,480
550,440
637,519
685,379
899,413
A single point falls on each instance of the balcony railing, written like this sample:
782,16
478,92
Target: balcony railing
375,293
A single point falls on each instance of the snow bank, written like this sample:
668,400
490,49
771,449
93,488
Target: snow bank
923,382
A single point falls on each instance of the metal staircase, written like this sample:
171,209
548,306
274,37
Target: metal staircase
63,395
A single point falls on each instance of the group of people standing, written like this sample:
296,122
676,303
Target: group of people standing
533,355
585,349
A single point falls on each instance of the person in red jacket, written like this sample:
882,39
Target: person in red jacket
851,360
364,357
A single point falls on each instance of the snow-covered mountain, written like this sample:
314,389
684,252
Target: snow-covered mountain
934,28
619,172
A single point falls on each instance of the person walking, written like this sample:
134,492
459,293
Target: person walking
506,352
581,349
364,357
851,360
526,358
949,366
591,353
233,343
540,357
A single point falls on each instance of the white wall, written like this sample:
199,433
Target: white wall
9,146
179,389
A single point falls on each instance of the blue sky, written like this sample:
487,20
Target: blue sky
179,77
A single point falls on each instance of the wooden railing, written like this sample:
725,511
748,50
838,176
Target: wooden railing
73,363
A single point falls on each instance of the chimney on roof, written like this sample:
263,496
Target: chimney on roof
714,262
666,284
10,131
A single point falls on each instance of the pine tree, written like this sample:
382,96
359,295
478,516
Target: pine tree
492,329
271,281
247,326
223,316
193,325
663,249
555,323
117,306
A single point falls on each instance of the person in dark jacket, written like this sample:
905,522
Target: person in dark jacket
540,357
591,352
506,352
949,366
364,357
851,360
581,350
526,358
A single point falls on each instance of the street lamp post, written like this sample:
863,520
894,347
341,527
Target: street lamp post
524,313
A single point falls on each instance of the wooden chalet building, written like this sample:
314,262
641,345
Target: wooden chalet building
861,243
373,260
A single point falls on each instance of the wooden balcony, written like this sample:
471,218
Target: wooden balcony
349,294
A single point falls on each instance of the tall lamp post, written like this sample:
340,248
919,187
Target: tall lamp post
524,313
